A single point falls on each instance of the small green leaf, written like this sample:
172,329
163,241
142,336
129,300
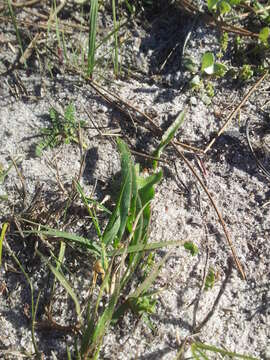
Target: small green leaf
210,279
246,72
220,69
168,136
264,35
234,2
208,62
212,4
191,247
143,304
224,7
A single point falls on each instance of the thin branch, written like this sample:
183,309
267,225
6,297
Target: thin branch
189,165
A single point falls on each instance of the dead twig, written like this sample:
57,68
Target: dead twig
235,111
189,165
213,22
28,51
155,127
24,193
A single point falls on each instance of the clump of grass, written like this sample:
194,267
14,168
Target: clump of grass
64,129
119,252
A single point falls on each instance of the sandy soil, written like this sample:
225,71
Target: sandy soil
181,209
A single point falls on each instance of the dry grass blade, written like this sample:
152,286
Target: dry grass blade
235,111
28,51
235,257
211,21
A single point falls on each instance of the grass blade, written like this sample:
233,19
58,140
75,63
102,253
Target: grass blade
168,136
2,236
119,218
151,277
146,247
90,212
89,244
126,166
66,285
199,346
116,68
18,36
92,36
33,306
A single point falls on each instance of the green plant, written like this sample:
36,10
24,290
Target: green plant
119,252
222,6
92,36
64,129
199,352
191,247
168,136
210,279
245,73
210,67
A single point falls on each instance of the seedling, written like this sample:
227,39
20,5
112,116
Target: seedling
210,279
246,73
191,247
63,129
168,136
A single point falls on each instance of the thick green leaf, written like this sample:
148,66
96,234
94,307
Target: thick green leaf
126,193
224,7
191,247
118,220
147,192
168,136
264,35
135,210
208,61
220,69
112,228
211,4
